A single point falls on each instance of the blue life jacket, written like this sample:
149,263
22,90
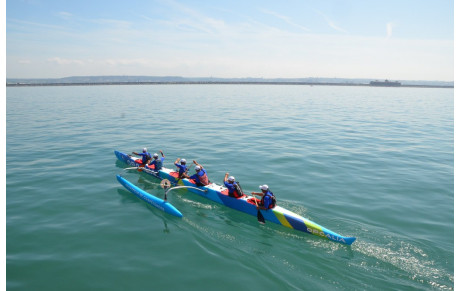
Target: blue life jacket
158,163
234,189
145,157
231,188
268,198
182,168
201,178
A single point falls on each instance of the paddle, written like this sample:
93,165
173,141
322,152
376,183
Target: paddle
260,217
187,169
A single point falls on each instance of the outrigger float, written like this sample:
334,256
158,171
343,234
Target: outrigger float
246,204
156,202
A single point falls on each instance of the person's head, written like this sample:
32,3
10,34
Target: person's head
197,168
231,179
264,188
144,150
155,156
183,161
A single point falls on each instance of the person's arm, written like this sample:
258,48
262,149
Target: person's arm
226,177
184,174
161,152
197,164
175,163
266,202
134,153
255,200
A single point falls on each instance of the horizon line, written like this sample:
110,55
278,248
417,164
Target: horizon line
219,78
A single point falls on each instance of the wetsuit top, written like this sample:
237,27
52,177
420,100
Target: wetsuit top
267,199
158,163
201,177
230,186
182,168
145,157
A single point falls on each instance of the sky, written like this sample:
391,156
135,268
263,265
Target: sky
396,40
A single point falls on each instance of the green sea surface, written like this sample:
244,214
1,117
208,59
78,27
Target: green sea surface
374,163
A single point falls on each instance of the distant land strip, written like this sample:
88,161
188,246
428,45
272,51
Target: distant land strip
216,83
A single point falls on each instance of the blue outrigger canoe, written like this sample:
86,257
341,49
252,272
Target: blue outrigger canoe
246,204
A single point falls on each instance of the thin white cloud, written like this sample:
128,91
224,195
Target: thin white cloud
33,27
285,19
61,61
110,23
331,23
390,26
126,62
192,20
65,15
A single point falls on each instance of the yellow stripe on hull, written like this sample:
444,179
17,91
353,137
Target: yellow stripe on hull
282,219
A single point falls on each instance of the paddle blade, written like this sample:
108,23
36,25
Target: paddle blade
260,217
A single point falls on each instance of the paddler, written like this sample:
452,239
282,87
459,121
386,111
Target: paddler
182,168
145,156
233,187
201,176
268,199
158,163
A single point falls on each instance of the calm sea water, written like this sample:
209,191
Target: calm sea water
374,163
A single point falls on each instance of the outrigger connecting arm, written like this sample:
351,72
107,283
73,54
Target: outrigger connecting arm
165,184
181,187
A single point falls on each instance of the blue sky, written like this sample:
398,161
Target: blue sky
399,40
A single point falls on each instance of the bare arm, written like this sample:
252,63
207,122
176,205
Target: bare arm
197,164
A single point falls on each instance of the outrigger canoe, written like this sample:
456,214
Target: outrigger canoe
246,204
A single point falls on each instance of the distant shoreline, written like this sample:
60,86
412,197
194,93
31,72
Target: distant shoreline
215,83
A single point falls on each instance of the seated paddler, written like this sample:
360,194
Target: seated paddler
201,176
268,199
234,189
182,168
145,156
158,163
